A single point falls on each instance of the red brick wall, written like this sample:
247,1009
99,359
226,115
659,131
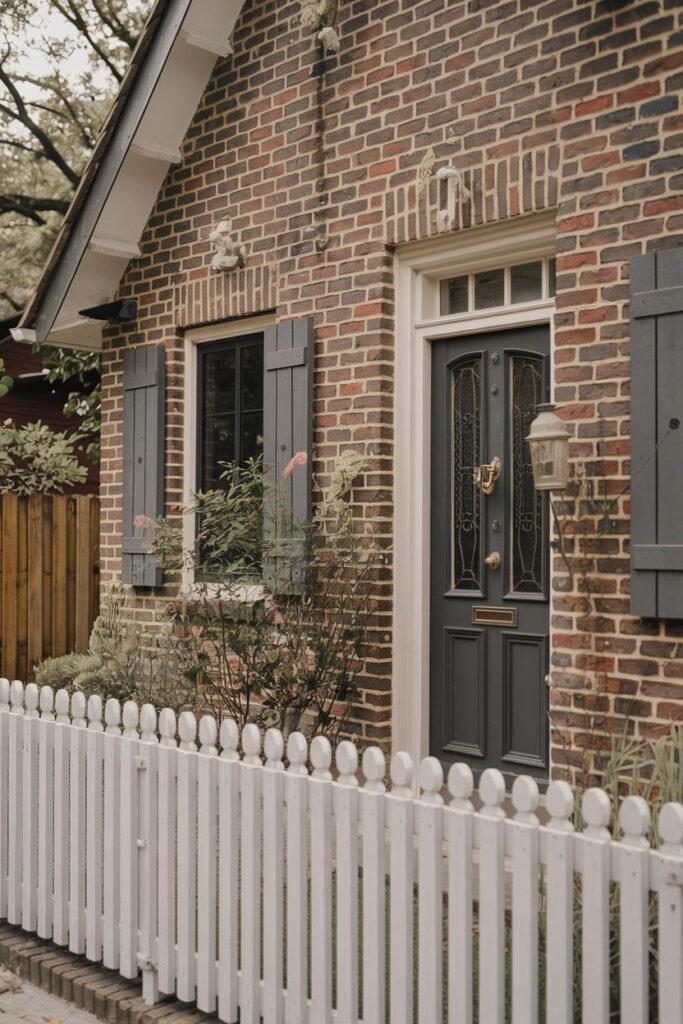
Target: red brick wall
565,106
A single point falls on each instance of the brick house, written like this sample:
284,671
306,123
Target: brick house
440,221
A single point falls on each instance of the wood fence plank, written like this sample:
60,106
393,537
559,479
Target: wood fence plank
34,573
77,847
29,890
95,839
46,735
22,589
83,572
59,590
8,627
167,810
346,813
187,874
228,897
206,881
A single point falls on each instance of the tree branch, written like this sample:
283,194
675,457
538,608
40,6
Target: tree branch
114,24
71,13
30,206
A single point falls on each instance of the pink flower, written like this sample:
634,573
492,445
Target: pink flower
144,522
300,459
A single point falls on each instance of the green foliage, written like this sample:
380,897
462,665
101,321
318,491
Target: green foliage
36,460
124,660
285,647
6,382
81,371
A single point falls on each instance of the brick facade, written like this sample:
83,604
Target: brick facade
572,107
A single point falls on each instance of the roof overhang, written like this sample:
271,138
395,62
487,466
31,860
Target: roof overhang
140,140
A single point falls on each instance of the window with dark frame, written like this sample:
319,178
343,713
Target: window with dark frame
229,406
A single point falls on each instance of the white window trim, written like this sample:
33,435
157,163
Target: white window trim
194,338
418,268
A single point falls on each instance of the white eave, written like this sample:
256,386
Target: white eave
105,235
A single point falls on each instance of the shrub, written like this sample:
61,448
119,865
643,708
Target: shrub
36,460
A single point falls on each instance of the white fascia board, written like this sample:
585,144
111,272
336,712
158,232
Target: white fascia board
154,150
196,38
24,334
114,247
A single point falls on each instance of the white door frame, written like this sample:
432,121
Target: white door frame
417,270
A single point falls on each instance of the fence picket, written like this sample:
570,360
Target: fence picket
228,862
594,863
148,853
273,878
111,835
45,812
345,799
400,818
558,842
186,971
77,821
429,820
492,898
94,853
250,887
320,801
29,814
15,776
670,937
129,747
60,904
166,838
296,793
207,825
524,836
459,835
4,791
374,886
633,854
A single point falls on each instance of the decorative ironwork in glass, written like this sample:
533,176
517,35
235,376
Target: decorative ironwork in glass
528,525
466,398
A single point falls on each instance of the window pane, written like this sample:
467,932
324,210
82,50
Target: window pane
252,378
218,447
551,278
217,427
466,387
489,289
454,295
526,282
527,514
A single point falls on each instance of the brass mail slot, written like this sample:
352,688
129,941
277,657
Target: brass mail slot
483,616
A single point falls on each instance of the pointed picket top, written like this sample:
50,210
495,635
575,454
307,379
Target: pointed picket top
461,786
297,752
131,717
525,798
148,724
31,700
187,730
78,707
47,703
597,811
112,717
374,766
251,744
559,803
492,793
634,821
274,749
4,694
16,697
402,771
208,736
321,758
62,704
168,727
346,760
431,780
95,713
670,826
230,740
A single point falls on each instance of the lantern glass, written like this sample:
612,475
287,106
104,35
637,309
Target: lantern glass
548,440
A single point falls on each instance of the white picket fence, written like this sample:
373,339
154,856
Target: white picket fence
291,896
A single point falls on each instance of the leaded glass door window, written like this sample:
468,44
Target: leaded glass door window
489,553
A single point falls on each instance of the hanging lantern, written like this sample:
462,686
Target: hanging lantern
549,446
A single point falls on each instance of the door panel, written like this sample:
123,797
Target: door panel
489,553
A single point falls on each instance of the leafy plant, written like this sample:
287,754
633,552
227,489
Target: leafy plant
6,381
36,460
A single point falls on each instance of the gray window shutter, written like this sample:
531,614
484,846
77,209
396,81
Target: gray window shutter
288,411
144,400
656,440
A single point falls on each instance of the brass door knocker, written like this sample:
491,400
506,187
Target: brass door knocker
486,475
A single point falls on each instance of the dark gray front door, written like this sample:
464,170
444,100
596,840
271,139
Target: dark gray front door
489,554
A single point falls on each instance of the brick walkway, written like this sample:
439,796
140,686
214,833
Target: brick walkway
76,987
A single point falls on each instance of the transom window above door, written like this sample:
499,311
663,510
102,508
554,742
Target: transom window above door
510,285
230,406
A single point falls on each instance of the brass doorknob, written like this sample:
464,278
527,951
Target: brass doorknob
492,561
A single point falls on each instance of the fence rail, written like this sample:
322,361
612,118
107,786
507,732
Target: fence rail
49,577
287,894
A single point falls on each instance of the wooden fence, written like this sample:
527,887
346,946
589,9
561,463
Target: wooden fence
49,577
290,895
